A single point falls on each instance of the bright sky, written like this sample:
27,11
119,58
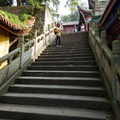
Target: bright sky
65,10
14,2
62,10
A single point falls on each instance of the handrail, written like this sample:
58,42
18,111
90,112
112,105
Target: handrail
25,53
107,51
39,37
105,48
8,56
117,67
109,64
30,42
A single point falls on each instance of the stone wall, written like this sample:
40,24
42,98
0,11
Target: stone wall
17,9
100,6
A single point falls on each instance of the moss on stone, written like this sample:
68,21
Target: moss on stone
18,20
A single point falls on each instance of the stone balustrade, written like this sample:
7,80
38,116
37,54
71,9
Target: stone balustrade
22,56
109,64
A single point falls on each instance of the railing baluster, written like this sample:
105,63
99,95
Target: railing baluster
21,45
115,60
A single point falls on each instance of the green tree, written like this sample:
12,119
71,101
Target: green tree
71,17
72,4
65,18
74,16
35,3
4,3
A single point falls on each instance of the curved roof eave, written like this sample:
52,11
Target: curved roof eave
83,10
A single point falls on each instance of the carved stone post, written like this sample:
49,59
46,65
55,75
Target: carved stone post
48,27
35,50
48,34
115,60
96,31
90,25
116,51
103,39
52,25
44,38
21,45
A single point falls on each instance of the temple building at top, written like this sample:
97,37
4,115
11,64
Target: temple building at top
96,9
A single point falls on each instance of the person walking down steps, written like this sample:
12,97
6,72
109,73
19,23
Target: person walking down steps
57,32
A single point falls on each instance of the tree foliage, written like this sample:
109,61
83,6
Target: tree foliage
35,3
72,4
71,17
4,3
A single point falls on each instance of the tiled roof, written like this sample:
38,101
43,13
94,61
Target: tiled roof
84,10
96,18
14,28
5,22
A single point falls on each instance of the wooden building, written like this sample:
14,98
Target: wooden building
110,22
9,33
70,26
85,17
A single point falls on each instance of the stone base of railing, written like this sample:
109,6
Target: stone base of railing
109,65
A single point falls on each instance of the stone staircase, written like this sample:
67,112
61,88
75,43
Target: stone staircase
62,84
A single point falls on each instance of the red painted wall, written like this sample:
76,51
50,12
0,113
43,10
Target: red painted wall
69,28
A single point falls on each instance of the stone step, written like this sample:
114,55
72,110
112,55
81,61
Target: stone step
57,89
59,81
71,63
86,102
68,48
27,112
66,52
70,54
67,55
86,58
6,119
52,73
60,67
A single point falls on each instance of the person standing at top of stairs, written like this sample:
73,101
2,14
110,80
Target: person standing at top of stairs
57,32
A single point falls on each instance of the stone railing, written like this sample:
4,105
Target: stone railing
109,65
19,58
